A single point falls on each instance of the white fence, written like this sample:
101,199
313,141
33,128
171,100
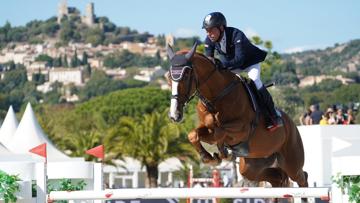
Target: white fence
328,150
162,193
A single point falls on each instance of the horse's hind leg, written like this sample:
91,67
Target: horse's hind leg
276,177
292,156
260,170
300,178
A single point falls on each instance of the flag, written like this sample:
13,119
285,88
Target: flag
97,151
39,150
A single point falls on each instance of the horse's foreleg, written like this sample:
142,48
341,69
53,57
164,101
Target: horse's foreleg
223,152
216,136
194,137
211,136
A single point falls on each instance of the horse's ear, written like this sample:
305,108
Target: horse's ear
190,54
170,51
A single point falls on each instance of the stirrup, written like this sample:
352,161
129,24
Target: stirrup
272,127
275,124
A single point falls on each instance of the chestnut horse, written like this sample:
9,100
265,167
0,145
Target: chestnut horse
225,118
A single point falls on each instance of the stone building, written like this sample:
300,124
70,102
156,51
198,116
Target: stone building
88,19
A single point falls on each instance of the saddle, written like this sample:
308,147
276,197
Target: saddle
242,149
254,98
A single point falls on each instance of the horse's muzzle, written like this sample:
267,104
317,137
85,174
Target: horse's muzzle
177,117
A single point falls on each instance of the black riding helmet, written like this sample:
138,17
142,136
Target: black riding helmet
214,19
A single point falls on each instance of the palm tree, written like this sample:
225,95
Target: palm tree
150,140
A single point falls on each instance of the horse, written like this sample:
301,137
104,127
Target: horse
226,118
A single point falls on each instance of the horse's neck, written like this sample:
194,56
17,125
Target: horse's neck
206,75
212,83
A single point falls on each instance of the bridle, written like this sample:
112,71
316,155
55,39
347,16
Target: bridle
189,82
179,65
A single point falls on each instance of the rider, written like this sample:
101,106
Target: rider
238,54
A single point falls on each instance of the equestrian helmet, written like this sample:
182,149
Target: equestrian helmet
214,19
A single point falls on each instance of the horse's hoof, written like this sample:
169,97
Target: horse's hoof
217,158
206,158
214,163
210,160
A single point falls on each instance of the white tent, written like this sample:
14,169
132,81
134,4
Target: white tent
29,135
8,127
3,150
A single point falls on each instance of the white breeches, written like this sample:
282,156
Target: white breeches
253,73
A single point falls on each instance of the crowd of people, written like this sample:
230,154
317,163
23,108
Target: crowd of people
332,116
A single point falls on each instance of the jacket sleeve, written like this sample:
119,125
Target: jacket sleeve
209,48
238,60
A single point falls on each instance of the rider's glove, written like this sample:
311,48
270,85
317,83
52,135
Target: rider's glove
218,64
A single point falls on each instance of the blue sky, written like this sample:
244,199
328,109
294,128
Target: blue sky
290,25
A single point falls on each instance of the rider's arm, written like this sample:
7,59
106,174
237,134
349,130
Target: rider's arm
209,48
238,60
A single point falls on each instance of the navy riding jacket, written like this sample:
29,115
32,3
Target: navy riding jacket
240,52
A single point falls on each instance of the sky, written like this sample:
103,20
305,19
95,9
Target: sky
290,25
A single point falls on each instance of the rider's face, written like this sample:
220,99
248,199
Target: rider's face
213,33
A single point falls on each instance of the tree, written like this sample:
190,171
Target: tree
57,62
38,78
66,31
74,60
185,43
82,132
65,61
133,102
268,45
85,57
150,140
87,71
95,36
53,96
44,57
14,79
160,40
5,32
257,40
99,84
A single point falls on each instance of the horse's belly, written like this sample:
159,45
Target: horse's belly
265,143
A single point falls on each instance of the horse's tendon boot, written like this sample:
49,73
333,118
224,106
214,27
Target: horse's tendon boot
241,149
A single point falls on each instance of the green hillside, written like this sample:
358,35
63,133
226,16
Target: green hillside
339,59
71,29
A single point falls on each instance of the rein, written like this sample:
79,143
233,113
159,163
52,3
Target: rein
210,104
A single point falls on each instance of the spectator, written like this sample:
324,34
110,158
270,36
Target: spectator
332,118
325,119
226,181
315,115
340,119
305,118
350,119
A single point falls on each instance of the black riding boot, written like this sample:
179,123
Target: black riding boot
272,119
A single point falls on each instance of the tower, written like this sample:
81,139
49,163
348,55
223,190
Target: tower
89,17
62,10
